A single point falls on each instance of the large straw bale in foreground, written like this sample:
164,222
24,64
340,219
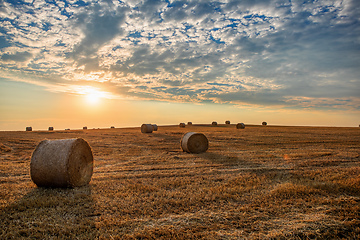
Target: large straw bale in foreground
193,142
147,128
62,163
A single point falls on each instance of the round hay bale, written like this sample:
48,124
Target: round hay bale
84,128
28,129
112,127
227,122
214,123
182,125
264,123
193,142
62,163
189,123
155,127
147,128
51,128
240,126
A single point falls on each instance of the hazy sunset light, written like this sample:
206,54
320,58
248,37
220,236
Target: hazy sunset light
92,95
284,62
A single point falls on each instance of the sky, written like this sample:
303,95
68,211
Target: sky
70,64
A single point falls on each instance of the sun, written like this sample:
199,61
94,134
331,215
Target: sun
92,95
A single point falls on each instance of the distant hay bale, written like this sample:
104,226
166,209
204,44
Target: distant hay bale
62,163
227,122
240,126
51,128
67,129
182,125
28,129
264,123
214,123
112,127
155,127
84,128
193,142
147,128
189,123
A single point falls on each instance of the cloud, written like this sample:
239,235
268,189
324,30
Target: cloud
99,25
263,52
4,43
17,57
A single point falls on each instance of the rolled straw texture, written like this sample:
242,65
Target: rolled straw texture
240,126
193,142
147,128
62,163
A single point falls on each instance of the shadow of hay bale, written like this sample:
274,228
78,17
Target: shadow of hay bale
46,213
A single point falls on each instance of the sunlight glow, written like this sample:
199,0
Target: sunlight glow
92,95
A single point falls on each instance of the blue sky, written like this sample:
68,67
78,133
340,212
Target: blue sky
273,55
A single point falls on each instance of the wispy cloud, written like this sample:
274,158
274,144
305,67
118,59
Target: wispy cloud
269,53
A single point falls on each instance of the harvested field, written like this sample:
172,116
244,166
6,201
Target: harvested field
254,183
